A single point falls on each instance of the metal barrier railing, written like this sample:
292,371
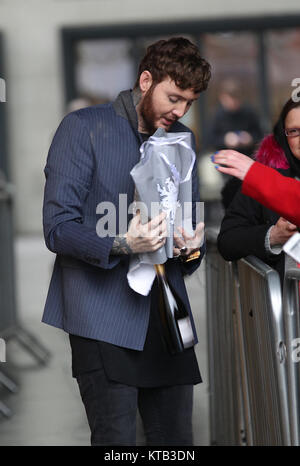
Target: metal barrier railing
263,328
8,317
10,326
227,426
292,326
247,359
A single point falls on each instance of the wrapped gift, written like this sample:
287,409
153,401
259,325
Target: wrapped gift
163,181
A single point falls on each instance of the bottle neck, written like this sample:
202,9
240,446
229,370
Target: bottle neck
160,271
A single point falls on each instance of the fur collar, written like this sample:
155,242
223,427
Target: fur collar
271,154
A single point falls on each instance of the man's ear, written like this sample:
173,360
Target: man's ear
145,81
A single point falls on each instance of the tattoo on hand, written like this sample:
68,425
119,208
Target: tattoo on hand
120,246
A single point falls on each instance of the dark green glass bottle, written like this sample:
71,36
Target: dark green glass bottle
175,318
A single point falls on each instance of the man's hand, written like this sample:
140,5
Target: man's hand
282,231
191,243
148,237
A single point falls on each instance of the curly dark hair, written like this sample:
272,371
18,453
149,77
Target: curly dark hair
179,59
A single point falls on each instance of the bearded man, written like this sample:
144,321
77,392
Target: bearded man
119,357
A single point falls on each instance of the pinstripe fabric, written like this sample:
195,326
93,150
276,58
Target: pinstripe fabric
89,162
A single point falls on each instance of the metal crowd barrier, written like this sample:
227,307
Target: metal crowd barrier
264,346
8,315
10,326
292,325
227,425
247,358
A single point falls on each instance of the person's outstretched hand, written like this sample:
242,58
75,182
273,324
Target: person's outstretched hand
233,163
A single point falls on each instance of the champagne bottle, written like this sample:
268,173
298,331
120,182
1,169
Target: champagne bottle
177,327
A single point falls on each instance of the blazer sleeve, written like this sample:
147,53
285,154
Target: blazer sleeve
243,230
69,171
274,190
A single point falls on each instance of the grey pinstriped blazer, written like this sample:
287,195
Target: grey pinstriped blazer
89,161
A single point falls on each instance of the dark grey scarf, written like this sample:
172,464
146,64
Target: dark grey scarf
124,106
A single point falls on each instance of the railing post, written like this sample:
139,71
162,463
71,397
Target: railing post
292,327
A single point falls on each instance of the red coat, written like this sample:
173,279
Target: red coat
278,193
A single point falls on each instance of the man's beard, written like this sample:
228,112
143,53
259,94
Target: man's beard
147,111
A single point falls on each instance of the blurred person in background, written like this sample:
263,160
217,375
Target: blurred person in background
249,228
234,126
85,100
118,354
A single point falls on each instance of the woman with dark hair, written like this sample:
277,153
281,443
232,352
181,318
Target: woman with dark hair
248,228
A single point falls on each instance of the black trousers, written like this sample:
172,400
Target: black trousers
111,409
